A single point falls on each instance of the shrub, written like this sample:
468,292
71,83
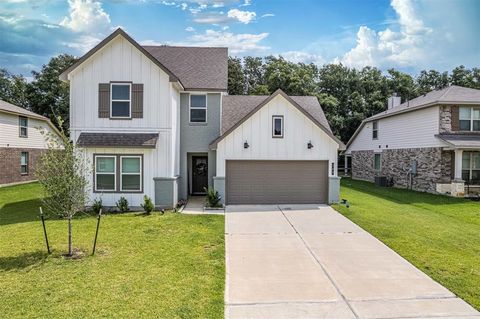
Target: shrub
122,205
97,205
213,198
147,205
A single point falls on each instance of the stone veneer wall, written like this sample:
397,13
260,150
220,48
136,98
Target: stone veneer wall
10,164
433,165
445,119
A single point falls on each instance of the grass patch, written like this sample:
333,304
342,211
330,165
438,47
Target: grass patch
157,266
438,234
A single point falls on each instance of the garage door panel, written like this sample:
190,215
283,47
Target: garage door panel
276,182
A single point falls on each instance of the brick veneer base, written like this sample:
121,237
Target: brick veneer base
10,164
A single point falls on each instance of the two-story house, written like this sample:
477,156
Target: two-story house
157,121
21,142
430,143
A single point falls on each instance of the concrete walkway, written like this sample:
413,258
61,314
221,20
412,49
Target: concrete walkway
311,262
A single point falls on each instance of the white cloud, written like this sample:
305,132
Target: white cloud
236,43
150,42
189,29
246,3
267,15
304,57
86,16
184,6
244,17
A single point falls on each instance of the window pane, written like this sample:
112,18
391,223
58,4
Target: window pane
466,175
24,158
120,109
375,125
24,169
23,121
105,165
105,181
131,182
277,130
197,115
130,165
120,92
465,113
375,134
476,177
465,125
476,160
466,160
476,125
377,161
23,131
198,101
476,114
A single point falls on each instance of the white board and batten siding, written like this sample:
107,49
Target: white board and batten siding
119,60
415,129
257,131
10,136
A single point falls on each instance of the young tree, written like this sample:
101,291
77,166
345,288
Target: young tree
62,172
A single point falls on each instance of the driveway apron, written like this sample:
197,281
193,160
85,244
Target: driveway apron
308,261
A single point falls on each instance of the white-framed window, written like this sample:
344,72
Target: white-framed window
375,130
471,167
105,173
377,161
120,100
24,163
277,126
130,173
23,126
198,108
469,118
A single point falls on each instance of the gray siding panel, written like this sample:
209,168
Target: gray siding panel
276,182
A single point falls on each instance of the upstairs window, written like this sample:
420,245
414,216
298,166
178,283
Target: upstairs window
120,100
24,163
277,126
377,161
375,130
469,118
198,108
23,126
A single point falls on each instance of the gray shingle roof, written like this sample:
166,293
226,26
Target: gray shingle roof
451,94
461,140
10,108
196,67
143,140
236,107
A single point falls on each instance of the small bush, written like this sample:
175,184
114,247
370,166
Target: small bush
97,205
122,205
147,205
213,198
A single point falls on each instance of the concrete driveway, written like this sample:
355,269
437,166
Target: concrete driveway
311,262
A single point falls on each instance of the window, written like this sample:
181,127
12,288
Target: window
131,173
377,161
198,108
120,100
24,163
23,124
471,167
375,130
277,126
469,118
105,179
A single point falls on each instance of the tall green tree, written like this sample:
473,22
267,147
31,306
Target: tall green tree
236,78
254,71
47,94
431,80
13,89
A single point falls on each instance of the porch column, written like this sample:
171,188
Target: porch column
458,164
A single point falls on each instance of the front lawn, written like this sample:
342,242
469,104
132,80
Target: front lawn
438,234
169,266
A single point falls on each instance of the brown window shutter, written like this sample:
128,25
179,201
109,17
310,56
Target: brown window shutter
104,100
137,100
455,118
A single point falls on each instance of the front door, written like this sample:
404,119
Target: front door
199,174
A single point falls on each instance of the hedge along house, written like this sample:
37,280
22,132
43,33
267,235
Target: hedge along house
156,121
430,143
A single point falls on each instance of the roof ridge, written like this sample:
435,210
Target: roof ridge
182,46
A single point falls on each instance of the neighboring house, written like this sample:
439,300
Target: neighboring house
430,143
157,121
21,142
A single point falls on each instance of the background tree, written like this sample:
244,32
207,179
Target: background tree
13,89
62,172
236,78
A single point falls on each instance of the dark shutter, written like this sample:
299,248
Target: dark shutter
455,118
104,100
137,100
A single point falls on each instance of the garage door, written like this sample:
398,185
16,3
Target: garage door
276,182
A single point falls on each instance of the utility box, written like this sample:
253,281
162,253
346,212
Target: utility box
381,181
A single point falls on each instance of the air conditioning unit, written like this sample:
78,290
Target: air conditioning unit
381,181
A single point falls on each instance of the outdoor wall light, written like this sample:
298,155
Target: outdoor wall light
310,145
245,145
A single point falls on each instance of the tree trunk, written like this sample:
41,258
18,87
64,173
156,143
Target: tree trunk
70,236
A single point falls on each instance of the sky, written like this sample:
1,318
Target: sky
410,35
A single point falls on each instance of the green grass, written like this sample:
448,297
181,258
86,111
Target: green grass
438,234
169,266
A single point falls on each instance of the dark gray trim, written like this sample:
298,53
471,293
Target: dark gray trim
117,174
273,126
166,178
